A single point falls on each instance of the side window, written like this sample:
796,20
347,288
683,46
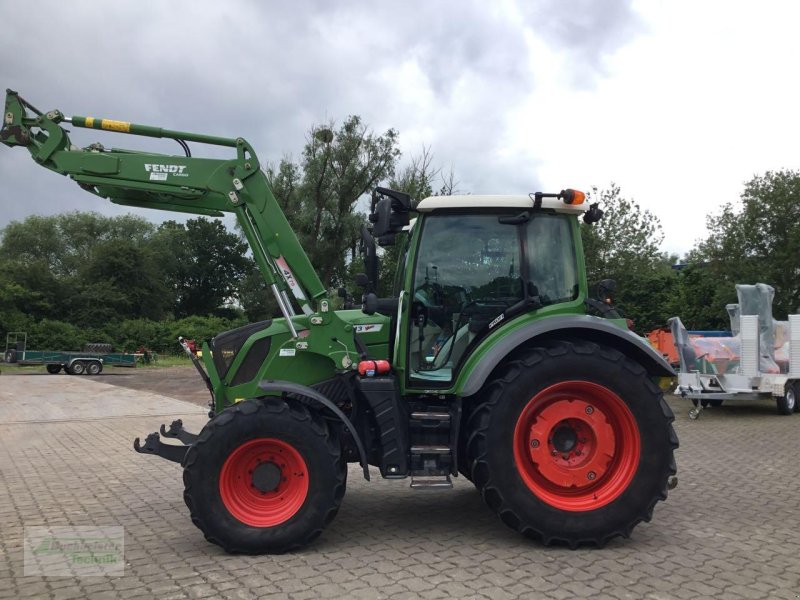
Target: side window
551,258
467,273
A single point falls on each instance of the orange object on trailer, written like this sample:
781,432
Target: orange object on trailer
662,340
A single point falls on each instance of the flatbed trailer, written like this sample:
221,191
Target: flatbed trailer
75,363
90,362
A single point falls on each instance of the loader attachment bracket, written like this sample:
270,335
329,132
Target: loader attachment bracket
153,445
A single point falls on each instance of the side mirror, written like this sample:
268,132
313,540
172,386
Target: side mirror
369,304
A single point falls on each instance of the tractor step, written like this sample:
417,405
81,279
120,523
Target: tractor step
431,482
430,416
430,450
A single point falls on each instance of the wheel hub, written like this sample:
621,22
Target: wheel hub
564,438
576,445
264,482
266,477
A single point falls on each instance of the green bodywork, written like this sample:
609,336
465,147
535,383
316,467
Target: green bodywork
314,344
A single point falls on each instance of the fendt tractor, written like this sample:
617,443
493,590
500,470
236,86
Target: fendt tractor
489,360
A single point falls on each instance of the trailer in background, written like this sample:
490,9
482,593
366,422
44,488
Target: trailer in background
760,361
89,362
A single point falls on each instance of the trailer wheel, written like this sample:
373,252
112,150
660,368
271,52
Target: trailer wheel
11,356
76,368
94,368
54,369
795,388
573,445
787,404
264,477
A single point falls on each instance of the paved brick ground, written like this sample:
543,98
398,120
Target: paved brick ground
730,530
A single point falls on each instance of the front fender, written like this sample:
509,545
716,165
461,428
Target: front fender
494,350
287,387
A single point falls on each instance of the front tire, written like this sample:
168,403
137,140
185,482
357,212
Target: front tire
264,477
54,369
574,444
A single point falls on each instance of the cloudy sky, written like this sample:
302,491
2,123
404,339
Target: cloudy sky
678,102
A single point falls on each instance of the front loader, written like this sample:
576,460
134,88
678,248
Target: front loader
489,360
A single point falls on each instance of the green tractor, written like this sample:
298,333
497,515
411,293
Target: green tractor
489,360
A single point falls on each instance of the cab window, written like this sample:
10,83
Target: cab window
467,273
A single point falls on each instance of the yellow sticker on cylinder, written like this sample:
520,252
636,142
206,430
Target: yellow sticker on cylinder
89,122
110,125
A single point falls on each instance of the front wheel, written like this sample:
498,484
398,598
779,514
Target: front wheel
573,444
264,476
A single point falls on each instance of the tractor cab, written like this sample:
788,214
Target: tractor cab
480,261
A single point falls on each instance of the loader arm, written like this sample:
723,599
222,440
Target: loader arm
203,186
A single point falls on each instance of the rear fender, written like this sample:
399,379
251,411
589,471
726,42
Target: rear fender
585,327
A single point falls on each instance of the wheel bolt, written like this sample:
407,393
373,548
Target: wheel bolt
577,452
554,453
534,443
589,410
591,475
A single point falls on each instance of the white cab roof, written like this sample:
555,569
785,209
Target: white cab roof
440,202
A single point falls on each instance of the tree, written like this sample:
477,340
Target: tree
320,194
203,263
57,264
624,246
757,240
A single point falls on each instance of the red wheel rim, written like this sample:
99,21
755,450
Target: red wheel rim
257,506
576,445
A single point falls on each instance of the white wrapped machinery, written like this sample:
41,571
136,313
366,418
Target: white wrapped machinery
760,360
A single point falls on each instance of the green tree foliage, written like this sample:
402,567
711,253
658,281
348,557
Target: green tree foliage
420,179
79,267
320,194
203,264
624,246
755,240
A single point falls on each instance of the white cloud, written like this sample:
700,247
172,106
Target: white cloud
679,102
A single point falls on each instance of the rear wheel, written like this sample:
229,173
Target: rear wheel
573,444
264,477
54,369
77,368
94,368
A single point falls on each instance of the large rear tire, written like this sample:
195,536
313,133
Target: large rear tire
264,477
573,444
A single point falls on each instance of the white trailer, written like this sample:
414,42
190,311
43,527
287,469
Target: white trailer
762,361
